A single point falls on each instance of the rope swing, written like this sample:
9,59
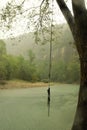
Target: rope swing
50,61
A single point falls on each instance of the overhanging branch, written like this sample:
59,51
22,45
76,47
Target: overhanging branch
67,14
78,7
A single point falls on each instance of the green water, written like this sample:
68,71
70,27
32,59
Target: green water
26,109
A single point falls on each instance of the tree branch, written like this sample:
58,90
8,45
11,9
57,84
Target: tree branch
78,7
67,14
80,3
42,3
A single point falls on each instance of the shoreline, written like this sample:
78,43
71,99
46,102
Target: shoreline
21,84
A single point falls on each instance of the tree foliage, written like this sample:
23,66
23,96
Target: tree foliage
30,69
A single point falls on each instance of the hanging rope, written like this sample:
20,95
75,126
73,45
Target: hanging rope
50,60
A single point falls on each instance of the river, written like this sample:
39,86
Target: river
26,109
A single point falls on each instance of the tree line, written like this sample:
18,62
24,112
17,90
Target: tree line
17,67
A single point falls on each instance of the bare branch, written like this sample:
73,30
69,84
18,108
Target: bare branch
42,3
67,14
40,12
22,2
43,8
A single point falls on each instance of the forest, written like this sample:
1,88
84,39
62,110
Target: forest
32,62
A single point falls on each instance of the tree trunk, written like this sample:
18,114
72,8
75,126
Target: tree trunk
78,26
80,122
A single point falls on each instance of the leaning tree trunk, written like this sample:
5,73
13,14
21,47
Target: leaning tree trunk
80,122
78,26
80,15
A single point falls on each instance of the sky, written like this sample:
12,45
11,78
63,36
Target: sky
20,25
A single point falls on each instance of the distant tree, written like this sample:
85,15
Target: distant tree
26,70
2,61
43,70
31,56
3,71
73,74
2,48
11,65
59,71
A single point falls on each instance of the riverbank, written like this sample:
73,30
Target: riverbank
21,84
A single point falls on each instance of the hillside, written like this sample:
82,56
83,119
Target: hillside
61,47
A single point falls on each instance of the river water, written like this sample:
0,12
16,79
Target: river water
26,109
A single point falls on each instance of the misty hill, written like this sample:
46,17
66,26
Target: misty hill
35,64
62,46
